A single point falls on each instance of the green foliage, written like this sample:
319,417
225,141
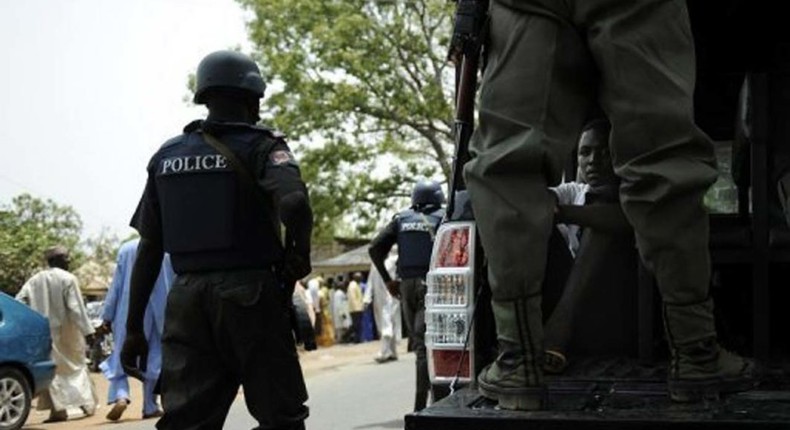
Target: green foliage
363,85
28,226
102,251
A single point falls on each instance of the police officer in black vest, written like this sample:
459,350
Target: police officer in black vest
215,199
413,230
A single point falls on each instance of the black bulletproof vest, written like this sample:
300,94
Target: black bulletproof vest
211,219
416,232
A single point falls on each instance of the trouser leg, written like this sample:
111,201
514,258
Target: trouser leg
356,327
252,329
666,164
413,302
594,249
118,389
150,404
534,98
779,147
421,361
197,386
393,345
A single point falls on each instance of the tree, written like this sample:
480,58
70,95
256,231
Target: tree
28,226
95,274
366,83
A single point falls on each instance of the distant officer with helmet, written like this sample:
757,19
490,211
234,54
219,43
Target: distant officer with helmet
215,199
413,230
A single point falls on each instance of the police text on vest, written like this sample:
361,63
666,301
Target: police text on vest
191,163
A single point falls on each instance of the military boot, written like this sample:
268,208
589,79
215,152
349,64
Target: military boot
699,368
515,379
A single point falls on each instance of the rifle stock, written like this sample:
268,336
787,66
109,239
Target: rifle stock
470,28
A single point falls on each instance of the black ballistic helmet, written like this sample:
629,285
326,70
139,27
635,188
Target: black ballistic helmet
228,69
427,193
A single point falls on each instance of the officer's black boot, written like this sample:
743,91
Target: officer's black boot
515,379
700,368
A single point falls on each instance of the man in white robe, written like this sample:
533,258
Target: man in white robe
54,293
386,311
340,313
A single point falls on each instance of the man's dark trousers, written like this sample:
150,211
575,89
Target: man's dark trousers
413,302
222,330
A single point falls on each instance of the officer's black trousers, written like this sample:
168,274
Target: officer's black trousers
413,302
222,330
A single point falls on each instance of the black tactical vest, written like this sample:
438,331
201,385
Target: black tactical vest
416,231
211,219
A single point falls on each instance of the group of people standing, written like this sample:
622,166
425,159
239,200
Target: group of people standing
213,247
237,224
342,309
54,292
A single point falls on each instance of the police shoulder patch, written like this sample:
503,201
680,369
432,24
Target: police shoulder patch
281,156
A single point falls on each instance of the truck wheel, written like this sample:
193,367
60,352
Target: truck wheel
15,398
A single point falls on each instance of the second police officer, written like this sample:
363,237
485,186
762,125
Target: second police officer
215,199
413,230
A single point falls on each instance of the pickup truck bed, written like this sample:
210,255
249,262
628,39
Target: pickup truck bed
615,394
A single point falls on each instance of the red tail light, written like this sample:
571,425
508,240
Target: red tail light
449,301
446,361
453,249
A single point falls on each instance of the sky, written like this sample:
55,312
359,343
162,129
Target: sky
89,89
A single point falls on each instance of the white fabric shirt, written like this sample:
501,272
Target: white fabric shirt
55,294
314,292
340,315
571,194
386,309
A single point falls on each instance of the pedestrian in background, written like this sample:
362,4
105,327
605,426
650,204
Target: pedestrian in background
368,325
116,309
386,311
327,333
341,317
413,230
55,293
356,307
314,291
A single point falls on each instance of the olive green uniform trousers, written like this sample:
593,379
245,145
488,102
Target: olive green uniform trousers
548,63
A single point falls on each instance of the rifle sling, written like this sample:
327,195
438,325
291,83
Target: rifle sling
244,174
233,160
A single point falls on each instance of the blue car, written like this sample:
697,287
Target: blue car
26,366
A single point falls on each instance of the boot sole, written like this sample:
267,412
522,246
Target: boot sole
696,391
518,399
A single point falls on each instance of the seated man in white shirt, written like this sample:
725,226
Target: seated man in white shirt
589,206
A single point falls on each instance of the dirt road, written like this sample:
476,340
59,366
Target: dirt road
313,363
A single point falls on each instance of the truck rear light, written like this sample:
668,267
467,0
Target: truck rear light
449,298
446,328
449,287
445,363
453,245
